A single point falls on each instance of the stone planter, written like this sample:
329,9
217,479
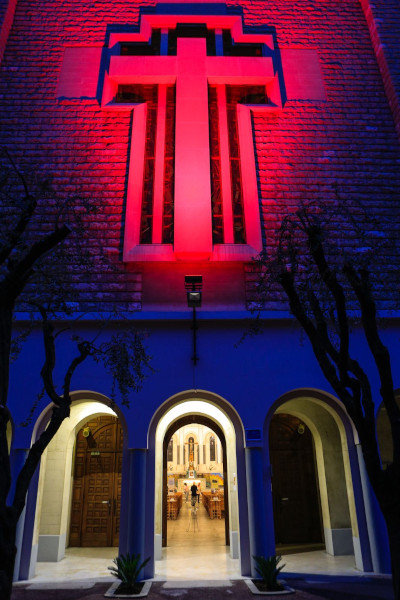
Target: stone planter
254,590
142,594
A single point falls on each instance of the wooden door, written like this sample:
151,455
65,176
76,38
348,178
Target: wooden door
96,494
294,485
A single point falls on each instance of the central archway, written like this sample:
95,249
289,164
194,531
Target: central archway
182,422
206,409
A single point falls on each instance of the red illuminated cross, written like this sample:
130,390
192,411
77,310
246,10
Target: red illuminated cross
191,70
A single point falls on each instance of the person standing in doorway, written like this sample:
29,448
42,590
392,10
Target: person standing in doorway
193,489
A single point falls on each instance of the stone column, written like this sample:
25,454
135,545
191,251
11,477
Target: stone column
137,501
376,525
25,560
17,461
260,510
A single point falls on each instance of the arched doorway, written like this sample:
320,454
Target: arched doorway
198,406
53,531
178,424
295,493
96,495
338,490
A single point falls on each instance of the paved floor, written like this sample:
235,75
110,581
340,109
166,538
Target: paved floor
197,565
190,555
196,549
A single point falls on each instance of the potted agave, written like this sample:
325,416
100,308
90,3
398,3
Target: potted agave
268,582
127,569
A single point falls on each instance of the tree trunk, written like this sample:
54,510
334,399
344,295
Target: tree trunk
5,346
392,519
8,550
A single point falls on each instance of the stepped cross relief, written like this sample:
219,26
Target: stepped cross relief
214,195
192,83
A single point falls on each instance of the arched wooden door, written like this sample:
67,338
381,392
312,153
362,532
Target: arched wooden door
96,496
295,492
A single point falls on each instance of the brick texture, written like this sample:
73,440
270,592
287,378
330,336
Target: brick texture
314,149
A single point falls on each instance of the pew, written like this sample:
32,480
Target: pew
174,504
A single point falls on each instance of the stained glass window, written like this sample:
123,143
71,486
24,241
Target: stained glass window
170,451
212,448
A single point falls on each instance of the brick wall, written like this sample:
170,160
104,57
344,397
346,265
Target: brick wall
346,145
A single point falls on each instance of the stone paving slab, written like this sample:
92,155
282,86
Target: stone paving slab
204,583
362,589
61,585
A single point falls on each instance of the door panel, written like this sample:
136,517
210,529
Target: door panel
294,485
96,495
98,499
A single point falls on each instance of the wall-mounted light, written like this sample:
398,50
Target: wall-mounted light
193,287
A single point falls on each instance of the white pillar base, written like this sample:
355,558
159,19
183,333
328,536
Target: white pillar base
339,542
358,554
234,539
157,546
51,548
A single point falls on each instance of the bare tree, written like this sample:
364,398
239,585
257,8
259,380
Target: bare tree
332,267
40,257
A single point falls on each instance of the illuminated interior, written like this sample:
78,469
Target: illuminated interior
190,469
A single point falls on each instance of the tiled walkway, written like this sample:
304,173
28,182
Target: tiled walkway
196,552
190,556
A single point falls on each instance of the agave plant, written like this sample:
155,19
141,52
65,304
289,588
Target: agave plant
268,570
127,569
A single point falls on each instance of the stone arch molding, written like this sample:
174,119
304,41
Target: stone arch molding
335,440
216,409
79,397
54,494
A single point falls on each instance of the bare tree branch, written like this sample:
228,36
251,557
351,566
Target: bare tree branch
5,473
23,267
362,288
59,413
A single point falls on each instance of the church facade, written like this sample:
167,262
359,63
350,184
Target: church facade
194,125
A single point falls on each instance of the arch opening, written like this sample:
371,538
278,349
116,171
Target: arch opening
69,466
326,503
192,468
295,490
194,422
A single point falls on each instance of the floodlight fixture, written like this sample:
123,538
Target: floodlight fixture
193,287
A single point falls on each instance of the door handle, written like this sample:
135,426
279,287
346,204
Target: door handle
108,502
